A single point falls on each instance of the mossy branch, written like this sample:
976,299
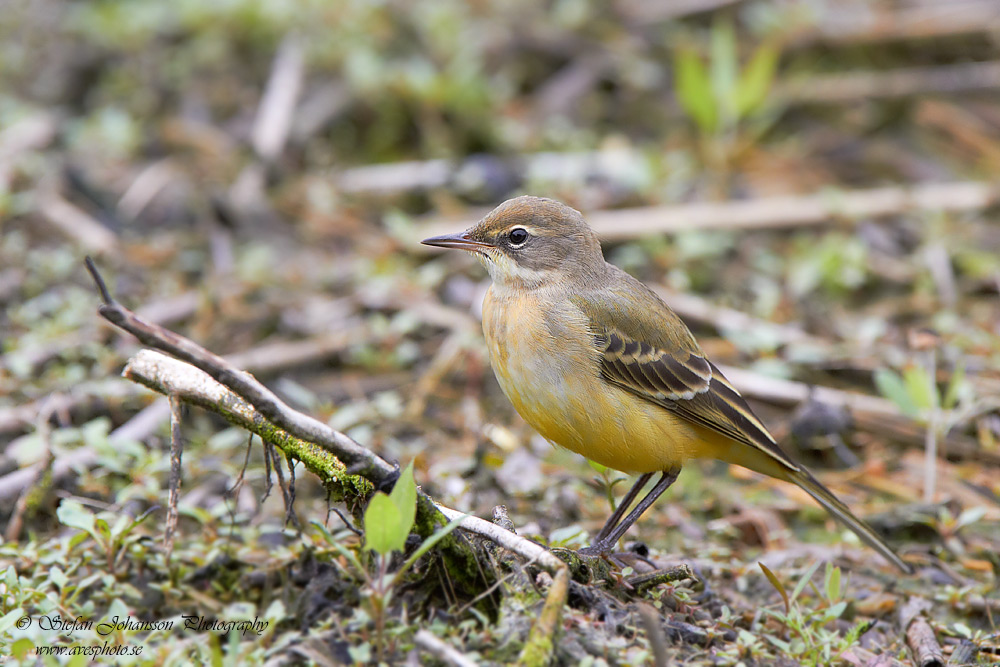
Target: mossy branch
171,377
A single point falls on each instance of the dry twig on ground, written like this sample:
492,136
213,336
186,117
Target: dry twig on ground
767,212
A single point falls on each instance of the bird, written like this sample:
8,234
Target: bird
597,363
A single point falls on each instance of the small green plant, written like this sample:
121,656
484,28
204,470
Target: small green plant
721,98
387,524
113,539
809,640
608,479
915,392
836,264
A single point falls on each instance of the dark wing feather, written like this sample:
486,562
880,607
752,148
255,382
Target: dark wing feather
646,349
692,388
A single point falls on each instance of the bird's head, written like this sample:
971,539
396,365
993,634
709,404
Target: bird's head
529,242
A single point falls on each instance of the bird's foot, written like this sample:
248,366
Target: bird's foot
596,550
606,551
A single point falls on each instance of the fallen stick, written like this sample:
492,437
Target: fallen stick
266,358
870,413
693,308
765,212
908,21
183,381
74,223
441,650
924,645
358,459
523,547
853,86
277,105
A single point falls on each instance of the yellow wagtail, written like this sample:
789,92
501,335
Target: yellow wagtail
599,364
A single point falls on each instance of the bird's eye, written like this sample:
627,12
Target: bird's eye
517,236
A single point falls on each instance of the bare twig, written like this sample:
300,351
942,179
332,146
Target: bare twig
768,212
441,650
358,459
30,133
320,105
654,634
694,308
176,378
870,413
280,355
541,642
843,24
267,358
192,385
648,12
396,177
848,87
924,645
176,451
77,225
511,541
147,184
39,470
277,106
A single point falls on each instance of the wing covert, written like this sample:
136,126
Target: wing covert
685,383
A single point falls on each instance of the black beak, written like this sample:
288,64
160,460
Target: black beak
461,240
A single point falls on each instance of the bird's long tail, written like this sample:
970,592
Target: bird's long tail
834,506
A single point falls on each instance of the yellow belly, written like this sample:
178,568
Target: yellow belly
547,366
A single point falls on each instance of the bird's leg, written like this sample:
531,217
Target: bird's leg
623,506
605,544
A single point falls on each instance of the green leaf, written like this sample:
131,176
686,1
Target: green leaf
724,66
892,387
859,629
694,90
75,515
347,554
9,619
404,496
429,543
799,587
962,630
832,583
597,466
955,386
756,79
837,610
384,526
783,645
58,577
777,585
22,647
921,387
970,516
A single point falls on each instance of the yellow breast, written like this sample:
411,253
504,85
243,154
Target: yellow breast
545,361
